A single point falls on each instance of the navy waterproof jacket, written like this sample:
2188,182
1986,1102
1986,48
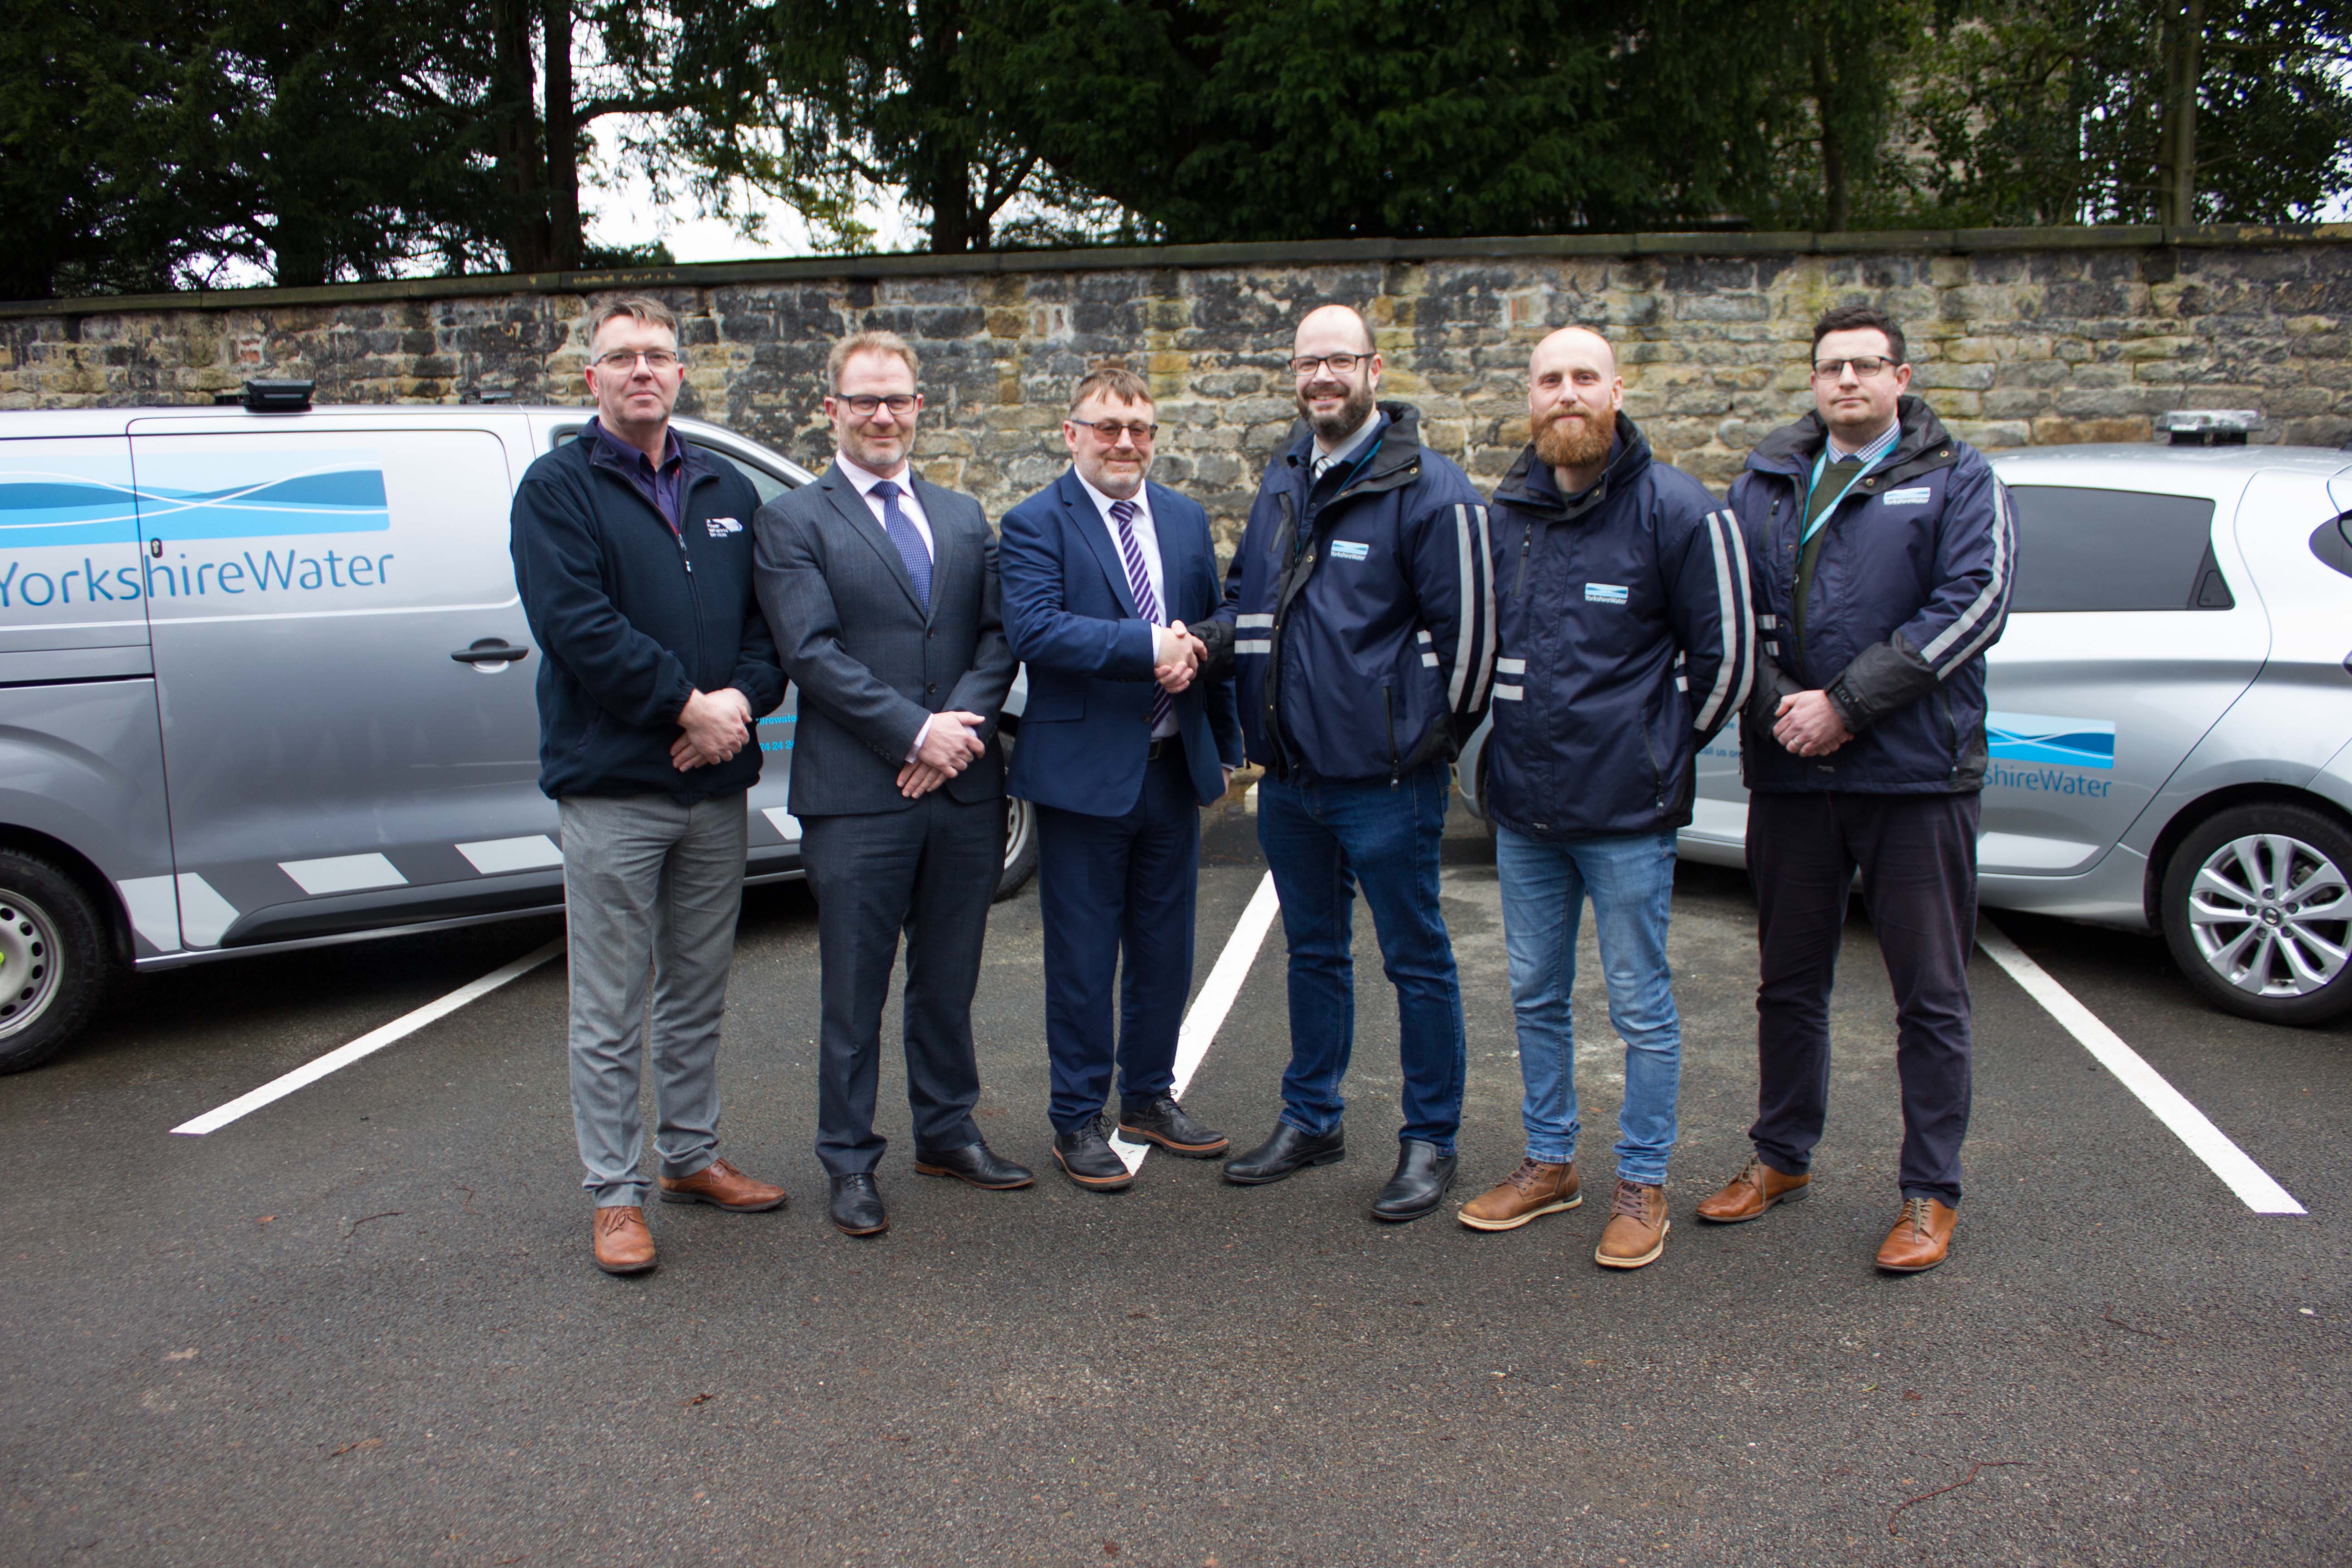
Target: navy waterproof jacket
1360,609
1626,643
634,616
1911,586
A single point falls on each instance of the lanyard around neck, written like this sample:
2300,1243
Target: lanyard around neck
1821,518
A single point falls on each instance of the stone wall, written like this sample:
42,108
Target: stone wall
2019,337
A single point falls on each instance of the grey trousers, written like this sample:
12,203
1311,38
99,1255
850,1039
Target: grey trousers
651,890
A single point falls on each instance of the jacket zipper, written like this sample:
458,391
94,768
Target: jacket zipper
1388,713
1526,539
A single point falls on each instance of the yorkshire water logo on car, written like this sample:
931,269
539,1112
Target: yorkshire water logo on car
50,521
2049,756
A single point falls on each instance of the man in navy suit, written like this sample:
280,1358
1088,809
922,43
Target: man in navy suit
1121,744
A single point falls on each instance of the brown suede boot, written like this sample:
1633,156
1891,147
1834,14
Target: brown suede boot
1748,1194
1921,1238
624,1245
722,1185
1636,1233
1535,1188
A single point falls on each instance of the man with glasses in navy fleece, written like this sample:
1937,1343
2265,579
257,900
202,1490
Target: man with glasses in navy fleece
1361,617
632,555
1881,554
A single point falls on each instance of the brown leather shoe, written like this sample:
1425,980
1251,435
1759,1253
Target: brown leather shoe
1921,1238
722,1185
1636,1232
624,1245
1535,1188
1748,1194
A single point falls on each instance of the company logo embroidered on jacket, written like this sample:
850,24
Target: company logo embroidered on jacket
720,527
1350,550
1603,593
1919,496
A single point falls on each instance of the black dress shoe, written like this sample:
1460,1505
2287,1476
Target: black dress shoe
1288,1150
1087,1158
974,1162
1423,1175
1159,1119
857,1204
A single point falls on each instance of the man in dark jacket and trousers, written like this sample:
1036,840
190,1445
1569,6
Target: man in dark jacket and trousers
1625,642
1882,554
1362,615
633,553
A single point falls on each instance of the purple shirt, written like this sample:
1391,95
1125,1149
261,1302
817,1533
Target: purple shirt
658,485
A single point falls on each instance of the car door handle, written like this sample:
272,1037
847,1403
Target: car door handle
490,650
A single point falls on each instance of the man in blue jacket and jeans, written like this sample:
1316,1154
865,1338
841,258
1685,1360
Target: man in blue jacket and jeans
1882,554
1622,601
633,553
1360,616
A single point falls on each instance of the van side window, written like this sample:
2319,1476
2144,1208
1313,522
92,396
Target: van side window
2332,542
767,484
2114,550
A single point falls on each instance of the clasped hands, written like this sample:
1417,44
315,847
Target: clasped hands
1808,724
950,743
1176,656
712,727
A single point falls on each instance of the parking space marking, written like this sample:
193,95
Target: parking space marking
1216,999
367,1044
2191,1126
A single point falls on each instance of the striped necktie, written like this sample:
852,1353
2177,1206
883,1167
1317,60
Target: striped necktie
1138,583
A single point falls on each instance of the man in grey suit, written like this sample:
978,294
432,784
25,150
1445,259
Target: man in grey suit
881,588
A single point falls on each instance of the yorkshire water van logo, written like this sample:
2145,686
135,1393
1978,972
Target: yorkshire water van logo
197,495
2060,743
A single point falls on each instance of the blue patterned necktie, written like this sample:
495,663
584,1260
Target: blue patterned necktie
1138,583
909,541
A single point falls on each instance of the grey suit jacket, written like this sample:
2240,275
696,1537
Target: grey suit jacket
870,666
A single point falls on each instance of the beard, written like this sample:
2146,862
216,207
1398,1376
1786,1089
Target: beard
1566,441
1339,426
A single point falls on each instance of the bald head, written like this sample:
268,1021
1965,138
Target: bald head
1342,373
1574,346
1573,394
1334,329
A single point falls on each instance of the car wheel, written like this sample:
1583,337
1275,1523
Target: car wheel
2257,912
1020,836
53,960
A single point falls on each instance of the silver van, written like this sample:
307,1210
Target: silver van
265,683
2171,729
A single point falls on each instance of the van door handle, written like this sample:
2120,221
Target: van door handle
490,650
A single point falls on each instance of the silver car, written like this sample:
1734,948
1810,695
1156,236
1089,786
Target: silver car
266,683
2171,715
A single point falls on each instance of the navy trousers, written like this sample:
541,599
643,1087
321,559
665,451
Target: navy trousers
1917,856
1116,895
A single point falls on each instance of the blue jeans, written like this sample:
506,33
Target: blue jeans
1632,880
1323,840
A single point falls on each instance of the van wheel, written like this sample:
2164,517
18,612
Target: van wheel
54,964
1020,835
2258,912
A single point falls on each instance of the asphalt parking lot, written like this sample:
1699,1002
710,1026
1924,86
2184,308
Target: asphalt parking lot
360,1325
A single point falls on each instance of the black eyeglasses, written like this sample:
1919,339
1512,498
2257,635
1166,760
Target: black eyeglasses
865,403
1865,366
1107,431
1304,365
621,362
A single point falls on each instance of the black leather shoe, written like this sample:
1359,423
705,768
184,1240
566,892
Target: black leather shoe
1159,1119
857,1204
1288,1150
974,1162
1087,1158
1423,1176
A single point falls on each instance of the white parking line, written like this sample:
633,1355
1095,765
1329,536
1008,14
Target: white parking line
2190,1125
374,1040
1216,1000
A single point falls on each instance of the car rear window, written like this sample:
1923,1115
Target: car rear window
2114,550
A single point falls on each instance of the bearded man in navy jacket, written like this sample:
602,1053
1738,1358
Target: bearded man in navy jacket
1121,744
632,555
1621,607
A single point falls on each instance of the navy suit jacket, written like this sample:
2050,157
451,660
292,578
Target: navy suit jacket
1087,729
